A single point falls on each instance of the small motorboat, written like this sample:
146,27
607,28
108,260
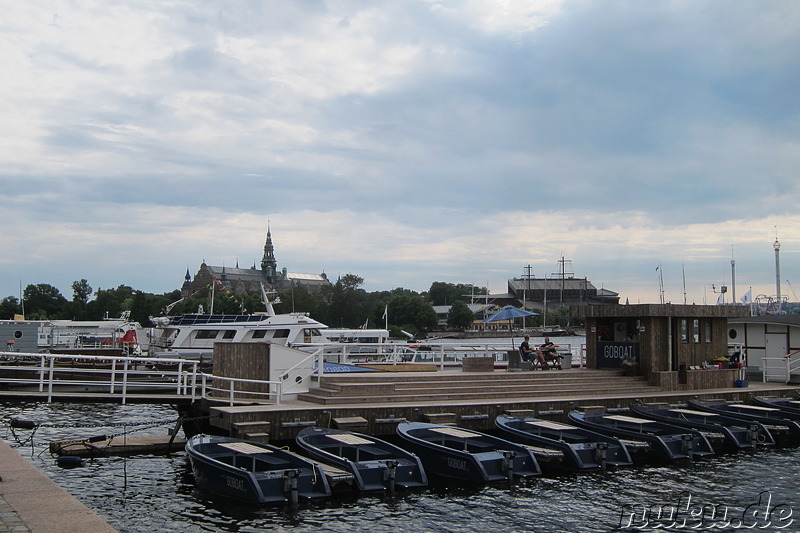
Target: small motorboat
582,448
668,442
786,404
254,472
784,425
465,454
374,463
731,433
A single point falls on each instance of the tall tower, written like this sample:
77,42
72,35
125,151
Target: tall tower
268,263
777,247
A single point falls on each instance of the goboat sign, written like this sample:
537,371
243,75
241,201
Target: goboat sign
611,354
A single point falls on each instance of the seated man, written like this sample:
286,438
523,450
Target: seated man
548,353
525,350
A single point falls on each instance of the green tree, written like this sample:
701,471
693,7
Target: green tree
43,301
460,316
9,306
442,293
408,307
348,303
80,297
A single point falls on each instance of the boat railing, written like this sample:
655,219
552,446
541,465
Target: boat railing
51,373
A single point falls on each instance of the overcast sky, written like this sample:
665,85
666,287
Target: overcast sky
405,142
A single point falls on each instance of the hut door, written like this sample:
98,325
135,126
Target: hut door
774,364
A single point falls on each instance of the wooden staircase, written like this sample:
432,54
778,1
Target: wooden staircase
393,388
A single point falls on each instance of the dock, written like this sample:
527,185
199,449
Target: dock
31,502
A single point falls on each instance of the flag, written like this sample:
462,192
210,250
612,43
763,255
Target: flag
747,299
385,311
719,299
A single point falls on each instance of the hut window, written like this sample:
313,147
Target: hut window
696,330
684,331
707,333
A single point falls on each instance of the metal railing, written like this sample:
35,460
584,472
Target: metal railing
792,365
50,374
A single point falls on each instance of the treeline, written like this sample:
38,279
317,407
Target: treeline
342,304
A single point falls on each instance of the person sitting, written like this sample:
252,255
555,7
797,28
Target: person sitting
547,354
525,350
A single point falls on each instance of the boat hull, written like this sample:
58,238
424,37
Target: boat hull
785,426
735,433
261,475
376,465
582,449
667,442
467,455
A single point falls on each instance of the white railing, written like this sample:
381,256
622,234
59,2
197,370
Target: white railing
792,365
45,373
234,394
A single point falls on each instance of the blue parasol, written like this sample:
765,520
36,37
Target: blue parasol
509,312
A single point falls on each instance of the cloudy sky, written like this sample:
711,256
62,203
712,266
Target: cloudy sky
406,142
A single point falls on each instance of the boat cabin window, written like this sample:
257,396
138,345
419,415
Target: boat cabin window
259,334
207,334
229,334
281,334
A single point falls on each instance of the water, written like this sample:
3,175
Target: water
156,493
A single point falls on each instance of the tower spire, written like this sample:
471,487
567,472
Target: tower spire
268,263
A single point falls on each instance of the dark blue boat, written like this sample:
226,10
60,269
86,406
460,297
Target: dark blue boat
465,454
374,463
784,425
253,472
668,442
582,448
789,405
731,433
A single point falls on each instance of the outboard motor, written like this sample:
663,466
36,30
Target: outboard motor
686,444
290,482
752,435
600,454
508,464
390,474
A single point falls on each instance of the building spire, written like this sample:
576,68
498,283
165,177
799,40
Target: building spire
268,263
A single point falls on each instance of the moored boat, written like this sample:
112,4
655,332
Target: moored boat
582,448
376,465
668,442
784,425
253,472
785,404
731,433
465,454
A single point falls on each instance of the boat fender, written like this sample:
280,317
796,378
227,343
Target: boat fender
508,464
390,474
22,424
290,482
687,439
69,461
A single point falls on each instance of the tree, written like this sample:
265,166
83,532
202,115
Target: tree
9,306
408,307
348,303
43,302
442,293
460,316
80,297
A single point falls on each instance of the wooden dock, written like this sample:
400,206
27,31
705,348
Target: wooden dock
118,446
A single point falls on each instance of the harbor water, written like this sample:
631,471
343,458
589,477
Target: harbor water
150,493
